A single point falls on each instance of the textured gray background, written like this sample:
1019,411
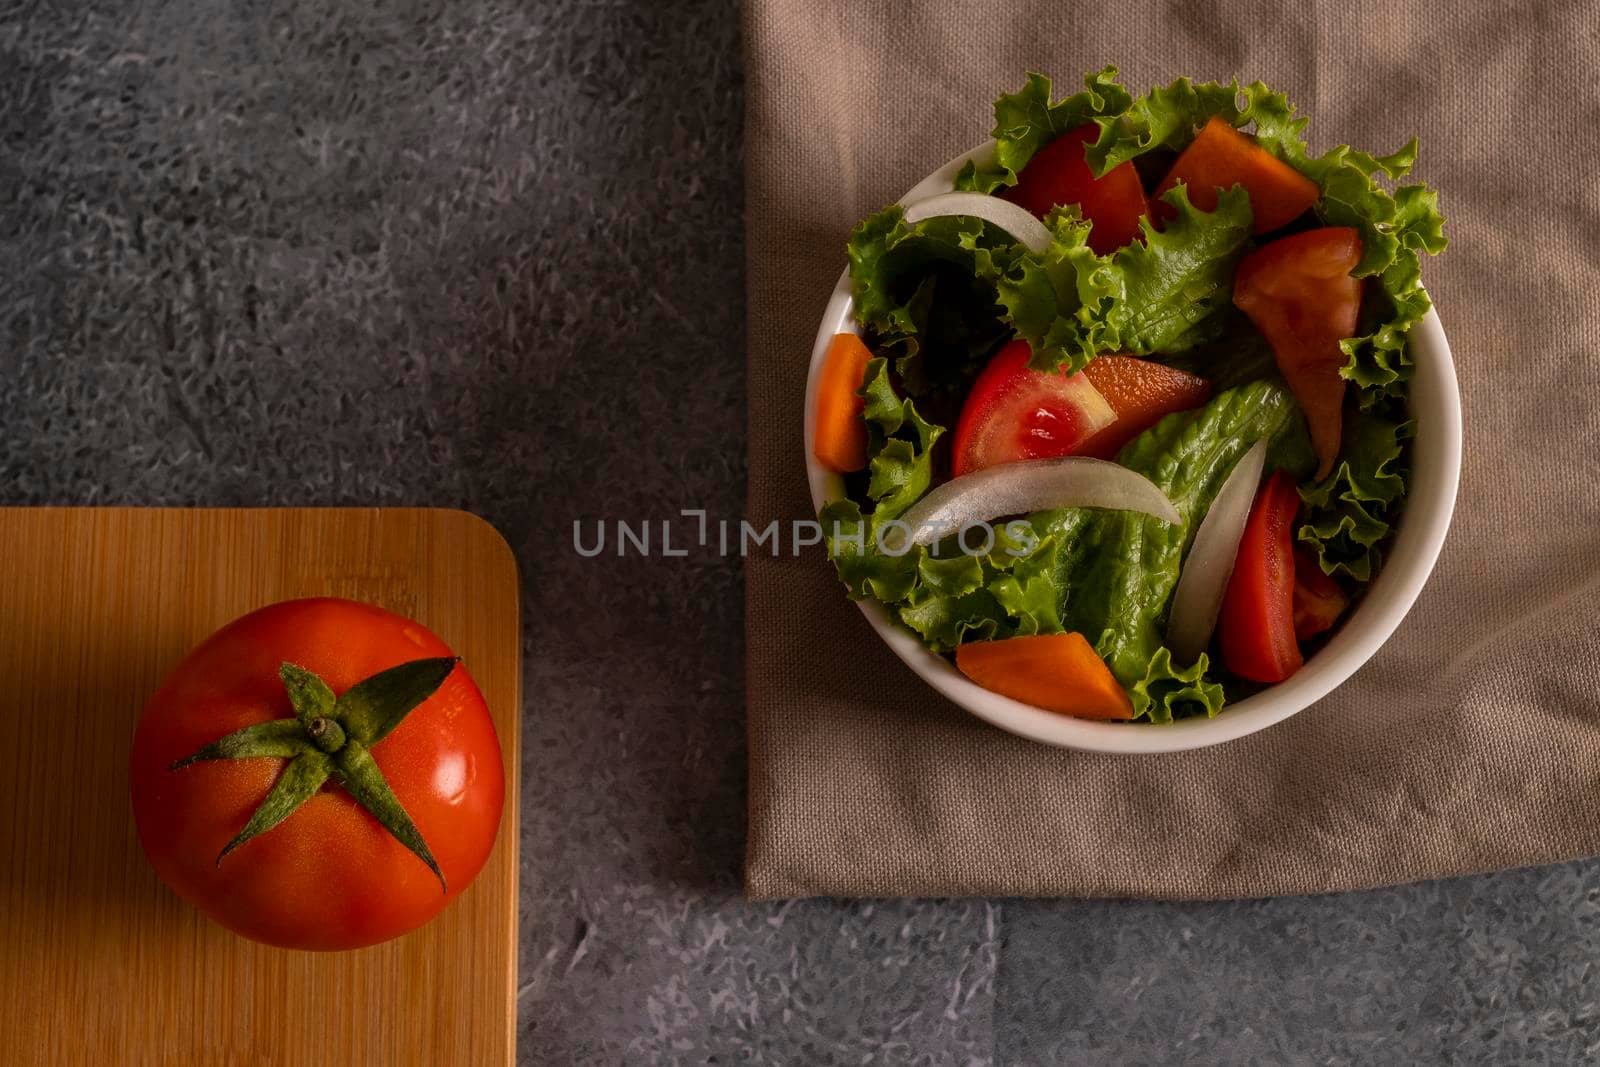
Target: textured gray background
489,255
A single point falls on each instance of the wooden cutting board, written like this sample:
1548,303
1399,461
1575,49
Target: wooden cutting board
101,963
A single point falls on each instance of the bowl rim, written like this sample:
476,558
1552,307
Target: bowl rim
1435,401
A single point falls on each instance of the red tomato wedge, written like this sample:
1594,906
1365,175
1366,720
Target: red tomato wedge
1256,626
1058,672
1058,174
1221,157
1299,293
1016,413
1318,600
1141,393
839,436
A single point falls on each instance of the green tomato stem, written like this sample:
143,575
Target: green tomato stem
324,726
325,734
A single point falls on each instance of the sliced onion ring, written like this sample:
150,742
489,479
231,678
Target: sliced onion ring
1198,598
1029,485
1017,221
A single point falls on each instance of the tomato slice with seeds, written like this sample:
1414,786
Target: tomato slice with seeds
1015,413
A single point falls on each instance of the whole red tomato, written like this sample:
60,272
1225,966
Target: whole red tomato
330,874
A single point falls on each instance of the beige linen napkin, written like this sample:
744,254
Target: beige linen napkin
1471,741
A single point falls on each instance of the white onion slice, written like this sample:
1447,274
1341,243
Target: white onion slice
1198,599
1019,222
1024,486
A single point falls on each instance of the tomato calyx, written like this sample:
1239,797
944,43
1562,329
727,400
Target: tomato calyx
332,737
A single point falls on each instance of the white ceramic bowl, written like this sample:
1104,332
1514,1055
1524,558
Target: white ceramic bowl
1436,465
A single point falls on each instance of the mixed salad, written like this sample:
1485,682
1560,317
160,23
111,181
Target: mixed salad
1124,431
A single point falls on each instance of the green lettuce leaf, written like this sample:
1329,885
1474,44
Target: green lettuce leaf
922,292
1010,591
1027,120
1168,692
1351,511
1121,587
1163,118
1238,355
864,570
900,443
1156,295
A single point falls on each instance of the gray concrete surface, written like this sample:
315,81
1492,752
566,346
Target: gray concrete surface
489,255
